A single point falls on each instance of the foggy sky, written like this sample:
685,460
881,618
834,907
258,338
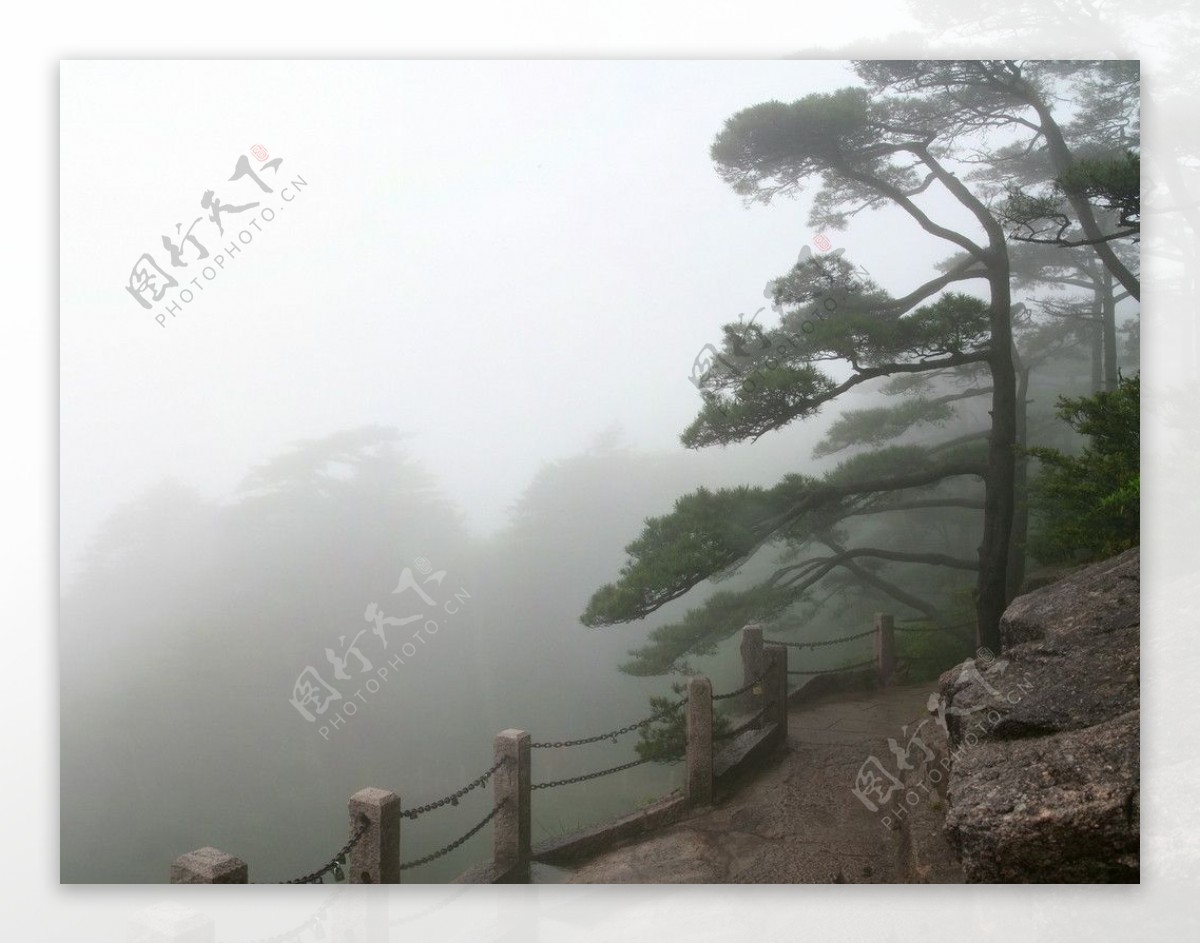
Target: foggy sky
502,259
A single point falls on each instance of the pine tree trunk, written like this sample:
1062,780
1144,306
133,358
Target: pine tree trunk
1001,472
1020,528
1097,338
1109,322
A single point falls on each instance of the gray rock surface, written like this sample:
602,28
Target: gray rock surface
1045,738
1093,600
1059,808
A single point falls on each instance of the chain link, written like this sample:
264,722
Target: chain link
339,860
450,847
613,735
591,776
454,797
842,668
818,645
335,864
745,688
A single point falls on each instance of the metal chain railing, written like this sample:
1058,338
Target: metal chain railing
454,797
841,668
335,864
613,735
745,688
818,645
592,776
451,846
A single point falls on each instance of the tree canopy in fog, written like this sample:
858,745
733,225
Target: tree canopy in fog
988,134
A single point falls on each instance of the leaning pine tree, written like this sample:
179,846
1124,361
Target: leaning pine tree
866,152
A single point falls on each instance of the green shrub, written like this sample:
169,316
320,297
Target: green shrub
1086,507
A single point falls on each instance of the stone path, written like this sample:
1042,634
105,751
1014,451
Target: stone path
794,819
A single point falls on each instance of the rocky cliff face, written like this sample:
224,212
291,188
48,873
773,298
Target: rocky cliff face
1045,737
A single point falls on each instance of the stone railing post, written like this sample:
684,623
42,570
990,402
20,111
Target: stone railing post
754,660
699,741
511,826
885,647
775,686
209,866
375,858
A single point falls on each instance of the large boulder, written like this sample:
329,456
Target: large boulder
1044,738
1095,599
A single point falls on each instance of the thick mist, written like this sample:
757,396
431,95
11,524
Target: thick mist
192,619
410,429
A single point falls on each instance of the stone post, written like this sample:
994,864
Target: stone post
775,685
754,660
209,866
511,825
699,741
375,858
885,647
